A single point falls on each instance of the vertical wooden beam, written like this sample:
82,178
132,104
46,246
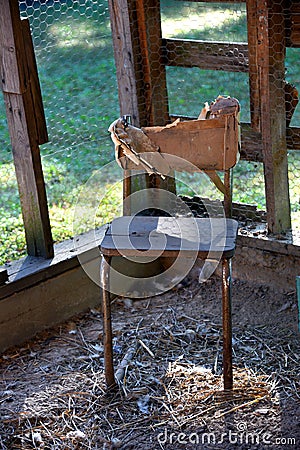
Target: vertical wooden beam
141,73
34,88
27,128
154,89
124,58
252,28
270,82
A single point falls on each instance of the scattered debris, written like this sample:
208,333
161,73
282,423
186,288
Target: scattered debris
169,361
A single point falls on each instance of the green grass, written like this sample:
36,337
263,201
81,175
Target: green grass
76,66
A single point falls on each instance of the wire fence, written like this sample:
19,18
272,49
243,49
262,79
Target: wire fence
74,52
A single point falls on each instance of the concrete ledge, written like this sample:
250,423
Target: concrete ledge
43,305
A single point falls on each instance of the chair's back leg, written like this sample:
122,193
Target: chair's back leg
107,328
227,326
126,193
228,194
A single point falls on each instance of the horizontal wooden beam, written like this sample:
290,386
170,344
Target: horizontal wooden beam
293,25
30,270
252,141
27,125
206,55
292,19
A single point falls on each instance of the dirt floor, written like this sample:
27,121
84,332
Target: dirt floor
52,391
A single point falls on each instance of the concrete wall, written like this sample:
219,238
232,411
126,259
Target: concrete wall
45,304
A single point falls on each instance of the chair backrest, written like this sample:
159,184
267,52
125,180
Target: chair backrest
205,145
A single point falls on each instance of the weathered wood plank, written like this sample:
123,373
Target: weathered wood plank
154,90
124,59
34,86
206,144
252,29
42,305
271,70
138,54
24,139
231,57
124,35
251,145
32,270
139,60
30,179
14,72
128,236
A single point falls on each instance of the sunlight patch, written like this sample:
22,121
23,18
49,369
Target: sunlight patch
199,21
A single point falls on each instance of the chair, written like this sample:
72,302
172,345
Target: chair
205,145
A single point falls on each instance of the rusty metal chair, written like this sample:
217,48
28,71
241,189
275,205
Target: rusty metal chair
210,145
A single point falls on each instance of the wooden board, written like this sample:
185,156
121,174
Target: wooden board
148,236
293,25
37,120
206,55
124,59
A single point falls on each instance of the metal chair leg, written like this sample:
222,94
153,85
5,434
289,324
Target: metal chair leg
107,328
227,325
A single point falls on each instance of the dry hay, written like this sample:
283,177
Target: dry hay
52,392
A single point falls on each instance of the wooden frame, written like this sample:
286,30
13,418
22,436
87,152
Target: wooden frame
267,139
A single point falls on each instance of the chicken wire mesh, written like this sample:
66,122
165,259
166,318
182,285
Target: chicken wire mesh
226,23
73,46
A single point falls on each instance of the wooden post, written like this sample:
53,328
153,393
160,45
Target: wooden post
124,58
252,26
141,73
26,123
152,92
269,101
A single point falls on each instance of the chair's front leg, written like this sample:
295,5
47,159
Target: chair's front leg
107,328
227,326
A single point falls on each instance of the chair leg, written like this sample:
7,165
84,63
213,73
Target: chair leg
227,326
107,328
